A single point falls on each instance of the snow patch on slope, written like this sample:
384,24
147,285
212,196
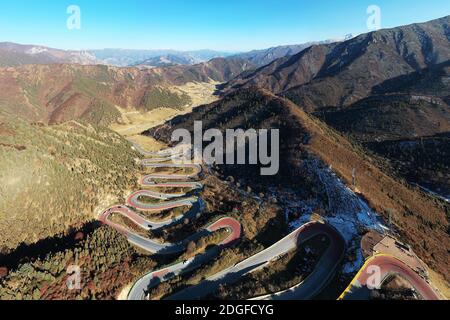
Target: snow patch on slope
347,212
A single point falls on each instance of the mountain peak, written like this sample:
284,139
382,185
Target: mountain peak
339,74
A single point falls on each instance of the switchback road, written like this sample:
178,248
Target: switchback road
307,289
311,286
360,287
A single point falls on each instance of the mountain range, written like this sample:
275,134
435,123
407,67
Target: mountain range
154,58
263,57
57,93
12,54
339,74
374,107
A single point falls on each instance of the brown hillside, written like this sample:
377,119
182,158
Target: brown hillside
340,74
421,220
57,93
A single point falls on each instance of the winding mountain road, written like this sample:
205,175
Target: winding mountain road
135,202
196,170
196,205
307,289
152,279
149,183
360,287
165,154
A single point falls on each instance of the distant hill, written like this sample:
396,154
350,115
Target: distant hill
263,57
154,58
219,70
12,54
166,60
59,92
339,74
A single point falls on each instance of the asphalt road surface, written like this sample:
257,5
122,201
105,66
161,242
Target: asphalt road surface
152,279
311,286
360,287
196,170
307,289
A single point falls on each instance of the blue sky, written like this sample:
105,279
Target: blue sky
231,25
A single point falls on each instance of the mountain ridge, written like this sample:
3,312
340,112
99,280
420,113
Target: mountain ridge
13,54
266,56
18,54
339,74
57,93
419,218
